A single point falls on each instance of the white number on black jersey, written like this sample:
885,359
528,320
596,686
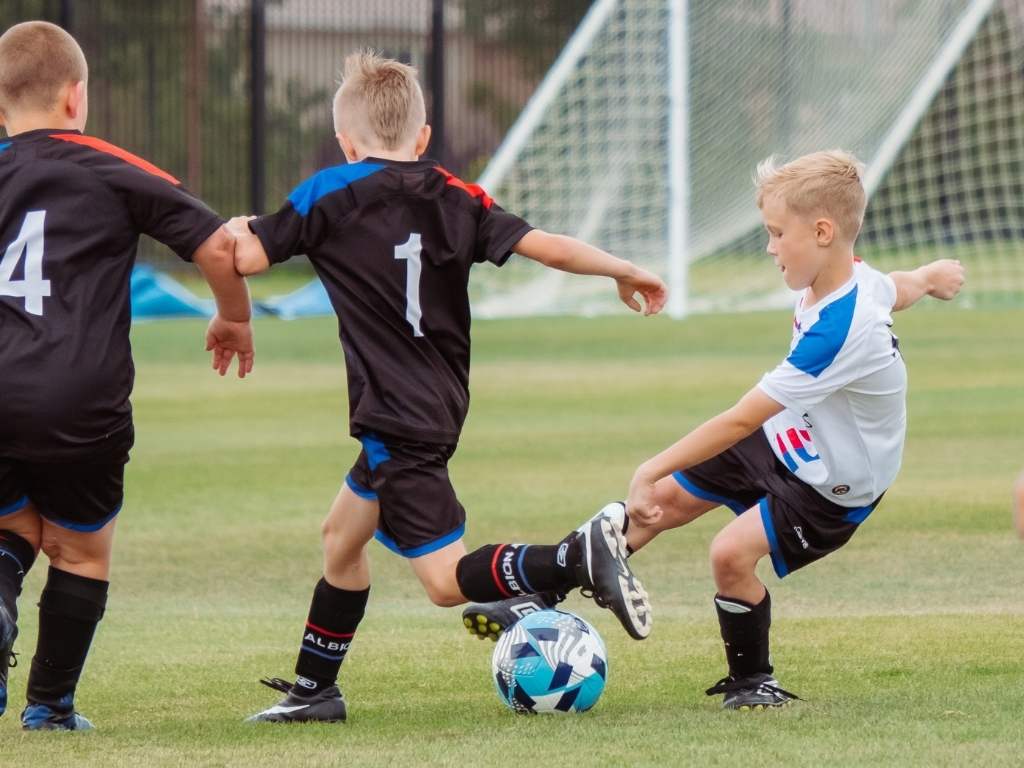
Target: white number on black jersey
410,251
30,244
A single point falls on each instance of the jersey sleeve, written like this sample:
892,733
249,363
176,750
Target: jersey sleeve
829,356
289,233
498,231
162,208
883,288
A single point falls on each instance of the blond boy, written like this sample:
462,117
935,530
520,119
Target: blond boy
72,208
806,455
393,238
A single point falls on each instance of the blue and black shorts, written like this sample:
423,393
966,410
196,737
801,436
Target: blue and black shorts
419,512
801,525
83,494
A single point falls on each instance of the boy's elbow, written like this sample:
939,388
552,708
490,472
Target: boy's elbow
217,251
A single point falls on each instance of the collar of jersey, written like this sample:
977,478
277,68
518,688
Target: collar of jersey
39,132
425,163
838,293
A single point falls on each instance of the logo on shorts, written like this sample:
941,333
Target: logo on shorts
841,490
799,531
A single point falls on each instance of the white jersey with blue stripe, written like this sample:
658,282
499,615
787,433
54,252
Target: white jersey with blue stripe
844,388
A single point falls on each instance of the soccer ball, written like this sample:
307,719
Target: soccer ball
550,661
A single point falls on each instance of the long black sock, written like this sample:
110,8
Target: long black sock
16,558
500,571
334,615
69,609
745,632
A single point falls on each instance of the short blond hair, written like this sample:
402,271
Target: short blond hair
828,183
379,101
37,59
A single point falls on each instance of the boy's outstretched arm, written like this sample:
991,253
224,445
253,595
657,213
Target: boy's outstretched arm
571,255
709,439
229,332
941,279
250,256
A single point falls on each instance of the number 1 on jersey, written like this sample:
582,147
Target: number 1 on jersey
410,251
30,242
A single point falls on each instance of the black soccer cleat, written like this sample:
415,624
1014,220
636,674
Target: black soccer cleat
8,633
43,717
759,691
604,573
327,706
491,619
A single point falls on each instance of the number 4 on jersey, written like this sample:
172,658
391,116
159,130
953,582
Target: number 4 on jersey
30,243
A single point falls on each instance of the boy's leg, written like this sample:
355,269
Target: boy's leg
338,604
490,619
19,541
70,607
743,606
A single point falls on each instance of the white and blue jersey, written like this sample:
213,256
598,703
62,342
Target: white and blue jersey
844,387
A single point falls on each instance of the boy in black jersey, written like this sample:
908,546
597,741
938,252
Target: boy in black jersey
72,208
393,238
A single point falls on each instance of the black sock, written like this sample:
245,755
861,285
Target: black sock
745,632
16,558
69,609
499,571
334,615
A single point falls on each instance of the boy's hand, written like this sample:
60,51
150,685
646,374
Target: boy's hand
226,339
640,504
945,278
648,285
250,258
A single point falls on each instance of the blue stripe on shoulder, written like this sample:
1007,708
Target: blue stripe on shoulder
5,145
823,340
304,196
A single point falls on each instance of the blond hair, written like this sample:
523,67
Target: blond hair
828,183
37,59
379,101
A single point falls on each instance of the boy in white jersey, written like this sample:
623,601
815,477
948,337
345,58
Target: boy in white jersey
805,456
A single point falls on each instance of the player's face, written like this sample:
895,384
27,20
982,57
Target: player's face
792,243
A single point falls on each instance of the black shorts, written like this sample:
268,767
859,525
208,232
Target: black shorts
801,525
80,495
419,512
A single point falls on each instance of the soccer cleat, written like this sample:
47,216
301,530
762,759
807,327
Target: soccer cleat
604,573
759,691
8,632
327,706
491,619
43,717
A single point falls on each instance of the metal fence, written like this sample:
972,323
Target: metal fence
234,96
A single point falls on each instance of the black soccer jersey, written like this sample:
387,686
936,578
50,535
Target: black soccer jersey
71,211
393,243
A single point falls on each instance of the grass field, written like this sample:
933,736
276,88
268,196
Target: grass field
907,645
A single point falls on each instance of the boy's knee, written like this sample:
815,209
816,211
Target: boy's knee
729,559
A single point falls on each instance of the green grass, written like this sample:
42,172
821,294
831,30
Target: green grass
906,644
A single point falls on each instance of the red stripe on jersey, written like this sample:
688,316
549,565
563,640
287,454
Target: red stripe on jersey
858,259
473,190
110,149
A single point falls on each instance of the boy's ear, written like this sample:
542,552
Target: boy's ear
422,140
348,147
825,232
73,100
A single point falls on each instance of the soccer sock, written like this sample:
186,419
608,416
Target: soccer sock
69,609
500,571
334,615
16,558
745,632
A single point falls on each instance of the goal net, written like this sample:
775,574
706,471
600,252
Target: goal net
644,135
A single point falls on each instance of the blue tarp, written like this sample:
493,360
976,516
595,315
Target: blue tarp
155,295
309,301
